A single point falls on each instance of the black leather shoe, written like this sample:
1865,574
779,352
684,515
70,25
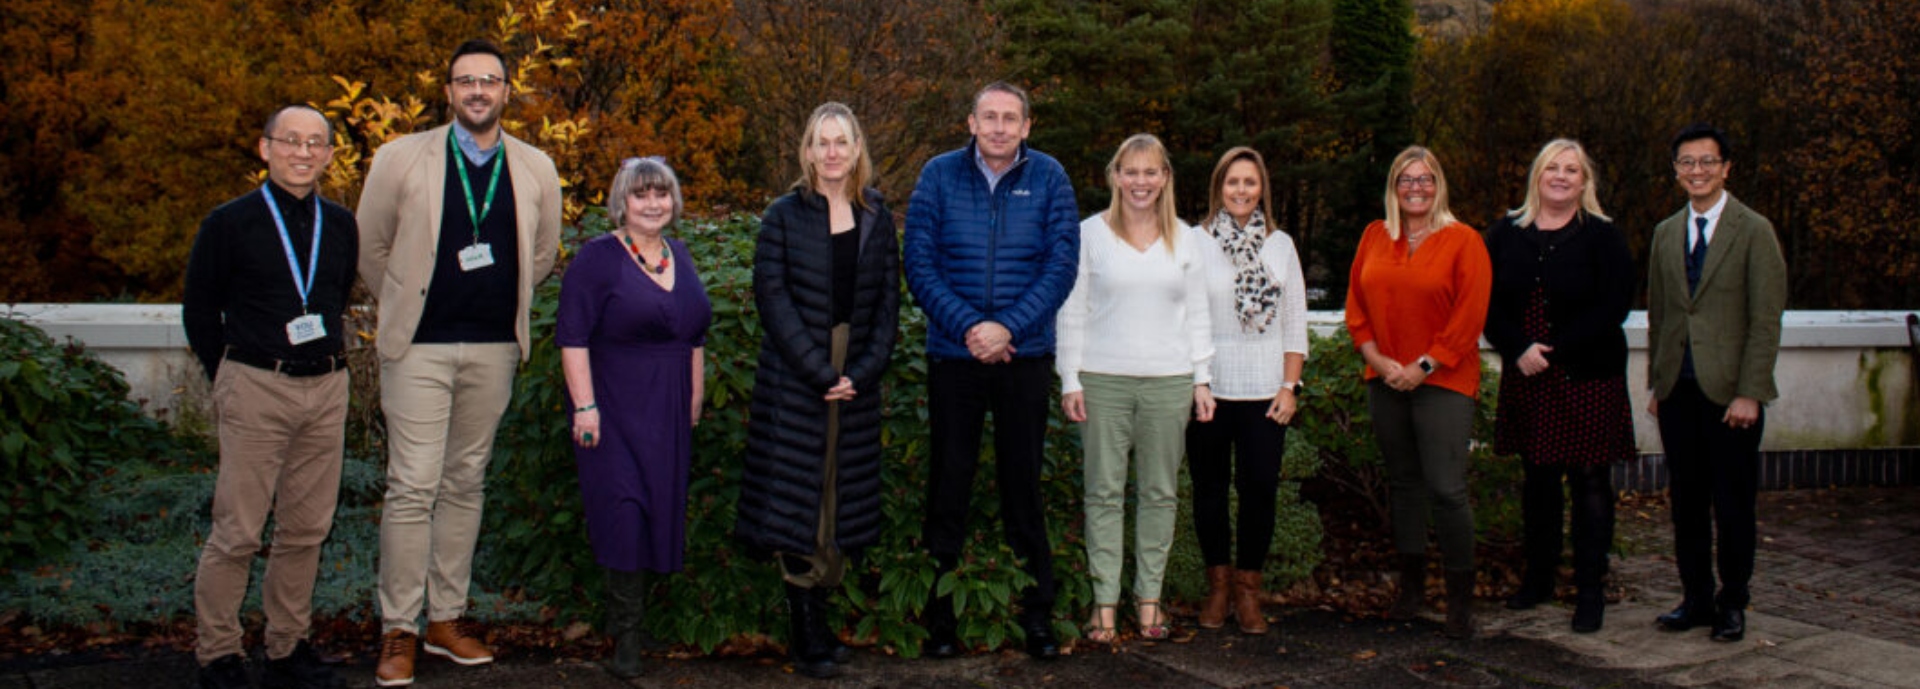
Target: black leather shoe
226,672
1040,642
942,643
301,669
1732,626
1687,616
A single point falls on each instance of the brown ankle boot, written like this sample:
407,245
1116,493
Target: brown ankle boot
1213,613
1247,595
1460,604
1413,588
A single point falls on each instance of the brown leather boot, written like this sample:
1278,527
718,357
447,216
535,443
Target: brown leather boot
1213,613
1247,595
396,659
1413,588
1460,604
458,640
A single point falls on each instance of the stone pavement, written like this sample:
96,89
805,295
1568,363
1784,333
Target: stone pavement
1836,604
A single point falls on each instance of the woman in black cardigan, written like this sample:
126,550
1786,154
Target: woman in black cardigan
1562,284
826,283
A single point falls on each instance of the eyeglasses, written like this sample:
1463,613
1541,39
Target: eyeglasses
485,82
630,163
1708,163
1406,182
309,146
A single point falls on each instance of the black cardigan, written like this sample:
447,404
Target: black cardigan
1589,278
782,477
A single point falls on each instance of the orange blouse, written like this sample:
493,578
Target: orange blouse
1433,302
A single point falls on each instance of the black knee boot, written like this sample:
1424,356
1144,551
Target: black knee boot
626,617
830,641
805,646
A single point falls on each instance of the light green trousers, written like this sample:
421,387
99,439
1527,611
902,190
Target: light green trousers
1145,419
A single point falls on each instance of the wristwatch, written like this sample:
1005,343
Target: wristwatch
1299,387
1426,365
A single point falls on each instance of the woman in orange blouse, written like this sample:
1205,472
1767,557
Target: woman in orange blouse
1416,302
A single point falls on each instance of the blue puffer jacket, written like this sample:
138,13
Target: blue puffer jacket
1008,255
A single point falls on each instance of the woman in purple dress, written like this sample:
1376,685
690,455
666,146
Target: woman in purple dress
632,328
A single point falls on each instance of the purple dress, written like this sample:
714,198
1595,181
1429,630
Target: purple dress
639,339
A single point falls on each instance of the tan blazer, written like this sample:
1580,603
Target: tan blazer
399,216
1732,319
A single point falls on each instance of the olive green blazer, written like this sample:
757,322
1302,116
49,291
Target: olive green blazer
1732,320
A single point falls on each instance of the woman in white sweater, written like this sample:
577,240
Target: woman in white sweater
1258,308
1133,351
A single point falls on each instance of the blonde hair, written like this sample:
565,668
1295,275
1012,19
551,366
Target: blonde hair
1440,217
1216,189
1529,210
861,176
642,174
1143,144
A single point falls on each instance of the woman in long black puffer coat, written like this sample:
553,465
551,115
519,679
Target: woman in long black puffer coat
826,281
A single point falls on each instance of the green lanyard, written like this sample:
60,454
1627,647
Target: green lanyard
466,185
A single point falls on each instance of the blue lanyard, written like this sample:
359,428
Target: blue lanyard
304,287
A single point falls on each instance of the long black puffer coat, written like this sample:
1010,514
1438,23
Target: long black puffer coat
780,487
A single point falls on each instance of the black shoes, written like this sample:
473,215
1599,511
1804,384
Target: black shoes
1040,642
1732,626
1687,616
301,669
812,657
226,672
1589,609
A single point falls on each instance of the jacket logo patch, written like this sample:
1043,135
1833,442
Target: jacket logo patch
1021,192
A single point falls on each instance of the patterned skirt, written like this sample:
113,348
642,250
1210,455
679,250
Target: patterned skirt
1551,418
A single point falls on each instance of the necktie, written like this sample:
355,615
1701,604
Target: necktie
1697,258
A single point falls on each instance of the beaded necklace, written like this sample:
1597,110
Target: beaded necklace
666,255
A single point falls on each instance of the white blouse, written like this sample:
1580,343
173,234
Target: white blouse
1135,313
1250,365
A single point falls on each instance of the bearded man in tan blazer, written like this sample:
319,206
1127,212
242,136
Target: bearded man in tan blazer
1716,289
457,224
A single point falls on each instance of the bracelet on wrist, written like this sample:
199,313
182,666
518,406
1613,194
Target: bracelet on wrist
586,407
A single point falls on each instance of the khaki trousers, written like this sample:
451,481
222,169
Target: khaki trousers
281,443
443,404
1143,420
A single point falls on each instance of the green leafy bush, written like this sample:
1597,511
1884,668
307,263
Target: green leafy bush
64,421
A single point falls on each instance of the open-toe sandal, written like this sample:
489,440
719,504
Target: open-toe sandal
1153,621
1100,629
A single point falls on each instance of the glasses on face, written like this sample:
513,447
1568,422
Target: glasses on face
308,146
485,82
1707,163
1406,182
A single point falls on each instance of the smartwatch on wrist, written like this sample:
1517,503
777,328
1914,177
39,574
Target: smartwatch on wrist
1298,387
1426,365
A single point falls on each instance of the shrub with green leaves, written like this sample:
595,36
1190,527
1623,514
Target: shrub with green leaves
64,420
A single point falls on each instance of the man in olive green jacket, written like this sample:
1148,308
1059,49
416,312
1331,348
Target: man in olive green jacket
1716,288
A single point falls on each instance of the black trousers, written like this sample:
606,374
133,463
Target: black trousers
1713,476
1541,505
960,394
1240,448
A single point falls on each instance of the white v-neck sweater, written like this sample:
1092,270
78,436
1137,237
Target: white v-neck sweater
1135,313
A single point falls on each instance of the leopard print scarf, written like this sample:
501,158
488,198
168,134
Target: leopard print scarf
1254,293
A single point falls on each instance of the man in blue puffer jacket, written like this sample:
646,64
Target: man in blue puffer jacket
992,248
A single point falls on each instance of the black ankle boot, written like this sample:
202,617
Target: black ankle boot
1589,610
808,650
1413,588
1460,604
1534,590
626,617
834,648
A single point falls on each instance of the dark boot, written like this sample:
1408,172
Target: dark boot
626,618
1535,588
1589,610
1460,604
804,645
1247,595
943,639
821,604
1213,612
1413,588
